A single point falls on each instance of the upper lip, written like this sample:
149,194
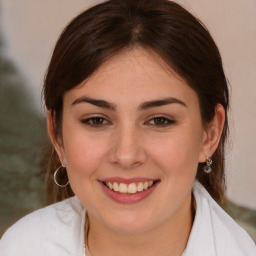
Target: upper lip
127,181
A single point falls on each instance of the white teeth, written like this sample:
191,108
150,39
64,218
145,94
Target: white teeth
115,187
123,188
145,185
131,188
110,185
140,187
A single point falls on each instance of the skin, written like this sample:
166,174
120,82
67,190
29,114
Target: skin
128,142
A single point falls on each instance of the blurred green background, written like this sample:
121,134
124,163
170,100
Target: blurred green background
22,140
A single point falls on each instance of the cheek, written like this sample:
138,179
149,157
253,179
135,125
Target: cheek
83,152
177,154
84,159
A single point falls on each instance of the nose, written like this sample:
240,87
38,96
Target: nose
127,150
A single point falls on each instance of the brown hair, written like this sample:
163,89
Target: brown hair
161,26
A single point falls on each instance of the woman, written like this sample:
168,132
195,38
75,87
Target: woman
137,106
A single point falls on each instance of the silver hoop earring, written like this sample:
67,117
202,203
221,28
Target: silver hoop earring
55,177
207,167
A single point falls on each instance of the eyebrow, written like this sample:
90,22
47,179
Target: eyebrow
95,102
145,105
160,102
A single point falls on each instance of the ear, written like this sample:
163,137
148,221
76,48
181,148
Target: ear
212,134
56,141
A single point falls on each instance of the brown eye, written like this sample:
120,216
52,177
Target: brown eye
95,121
160,121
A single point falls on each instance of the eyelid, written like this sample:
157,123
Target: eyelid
86,121
170,121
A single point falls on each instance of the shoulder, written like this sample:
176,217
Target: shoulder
214,229
35,233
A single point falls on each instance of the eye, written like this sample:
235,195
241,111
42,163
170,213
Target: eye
160,121
95,121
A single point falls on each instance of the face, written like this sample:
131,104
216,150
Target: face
132,140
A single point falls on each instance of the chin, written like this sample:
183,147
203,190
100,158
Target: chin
129,224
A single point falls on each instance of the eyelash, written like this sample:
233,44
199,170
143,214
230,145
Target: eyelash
89,121
166,121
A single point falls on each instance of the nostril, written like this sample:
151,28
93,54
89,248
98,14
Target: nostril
127,154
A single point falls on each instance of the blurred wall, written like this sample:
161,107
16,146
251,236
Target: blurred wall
30,29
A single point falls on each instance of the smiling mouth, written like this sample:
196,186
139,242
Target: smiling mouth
131,188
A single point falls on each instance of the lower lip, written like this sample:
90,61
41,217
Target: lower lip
128,198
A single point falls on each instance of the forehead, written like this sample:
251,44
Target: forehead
134,75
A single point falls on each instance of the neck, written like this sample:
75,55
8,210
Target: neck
169,238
